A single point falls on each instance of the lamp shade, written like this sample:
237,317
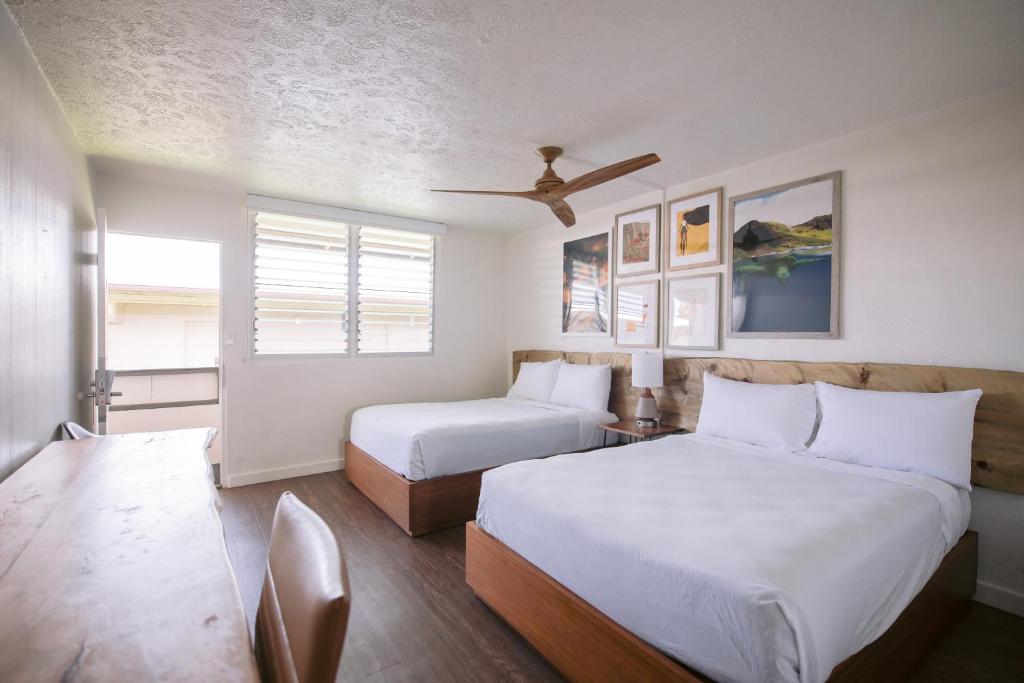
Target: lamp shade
648,369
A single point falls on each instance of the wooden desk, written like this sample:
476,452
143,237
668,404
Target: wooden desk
113,565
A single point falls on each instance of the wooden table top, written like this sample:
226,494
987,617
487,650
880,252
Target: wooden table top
113,565
629,427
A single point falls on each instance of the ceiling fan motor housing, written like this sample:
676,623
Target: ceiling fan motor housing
549,179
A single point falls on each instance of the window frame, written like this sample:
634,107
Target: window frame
353,220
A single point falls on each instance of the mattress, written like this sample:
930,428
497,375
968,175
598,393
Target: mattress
426,440
744,563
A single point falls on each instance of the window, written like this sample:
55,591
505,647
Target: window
300,285
396,291
305,265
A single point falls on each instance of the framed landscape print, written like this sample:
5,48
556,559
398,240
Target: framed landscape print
586,286
694,230
636,314
636,241
784,260
691,312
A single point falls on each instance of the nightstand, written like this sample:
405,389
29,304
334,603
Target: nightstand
637,434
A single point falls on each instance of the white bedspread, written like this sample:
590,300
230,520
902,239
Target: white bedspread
744,563
426,440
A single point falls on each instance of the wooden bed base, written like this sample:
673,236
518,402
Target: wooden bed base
419,507
585,645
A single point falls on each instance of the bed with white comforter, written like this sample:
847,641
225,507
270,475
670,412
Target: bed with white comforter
744,563
427,440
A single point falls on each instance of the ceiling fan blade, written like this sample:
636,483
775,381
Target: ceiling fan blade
603,175
529,194
563,211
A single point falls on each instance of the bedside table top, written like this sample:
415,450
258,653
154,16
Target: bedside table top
629,427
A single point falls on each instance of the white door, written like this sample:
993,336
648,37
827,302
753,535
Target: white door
102,385
160,334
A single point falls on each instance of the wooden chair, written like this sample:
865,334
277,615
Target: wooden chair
304,606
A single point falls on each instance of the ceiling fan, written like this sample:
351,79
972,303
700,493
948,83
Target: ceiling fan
551,190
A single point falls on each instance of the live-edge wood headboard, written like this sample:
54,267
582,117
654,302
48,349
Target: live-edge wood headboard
998,449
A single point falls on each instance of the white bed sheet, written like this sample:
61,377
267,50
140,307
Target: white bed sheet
745,563
426,440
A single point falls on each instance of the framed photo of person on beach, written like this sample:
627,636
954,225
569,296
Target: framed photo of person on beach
693,231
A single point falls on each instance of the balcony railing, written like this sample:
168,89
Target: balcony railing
166,388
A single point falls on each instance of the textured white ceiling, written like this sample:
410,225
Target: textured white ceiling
368,104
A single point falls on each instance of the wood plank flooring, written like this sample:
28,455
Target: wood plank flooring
414,619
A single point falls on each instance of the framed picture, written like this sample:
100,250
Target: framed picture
636,241
784,260
694,229
636,314
586,286
691,312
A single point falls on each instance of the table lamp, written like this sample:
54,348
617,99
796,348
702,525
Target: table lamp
648,371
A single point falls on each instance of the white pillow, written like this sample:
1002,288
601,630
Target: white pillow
770,415
927,433
583,386
535,381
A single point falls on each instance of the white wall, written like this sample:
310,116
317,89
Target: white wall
286,417
930,268
46,271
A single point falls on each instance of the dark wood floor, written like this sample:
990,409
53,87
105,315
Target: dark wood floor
414,619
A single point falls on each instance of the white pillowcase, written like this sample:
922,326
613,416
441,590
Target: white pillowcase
927,433
535,381
583,386
770,415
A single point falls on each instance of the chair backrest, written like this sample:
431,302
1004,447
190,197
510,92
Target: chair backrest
76,431
303,612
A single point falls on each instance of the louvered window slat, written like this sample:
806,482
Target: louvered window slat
301,285
396,291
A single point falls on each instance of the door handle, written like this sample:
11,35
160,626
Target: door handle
102,385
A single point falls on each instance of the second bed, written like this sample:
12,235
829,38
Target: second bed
421,463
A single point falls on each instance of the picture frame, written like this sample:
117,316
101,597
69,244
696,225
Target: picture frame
696,242
784,260
637,314
587,285
693,312
637,235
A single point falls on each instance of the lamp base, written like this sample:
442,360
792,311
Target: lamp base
646,410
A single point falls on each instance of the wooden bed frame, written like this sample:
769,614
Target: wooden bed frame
585,645
418,507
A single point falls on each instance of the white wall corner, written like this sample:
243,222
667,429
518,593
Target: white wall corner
1000,598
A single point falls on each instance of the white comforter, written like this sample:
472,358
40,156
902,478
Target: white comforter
743,563
426,440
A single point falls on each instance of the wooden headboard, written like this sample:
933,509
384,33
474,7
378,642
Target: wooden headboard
998,450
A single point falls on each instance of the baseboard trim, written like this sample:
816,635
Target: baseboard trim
1000,598
276,473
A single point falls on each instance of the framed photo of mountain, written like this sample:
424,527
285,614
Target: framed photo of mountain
586,286
691,312
636,314
784,260
636,241
694,228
